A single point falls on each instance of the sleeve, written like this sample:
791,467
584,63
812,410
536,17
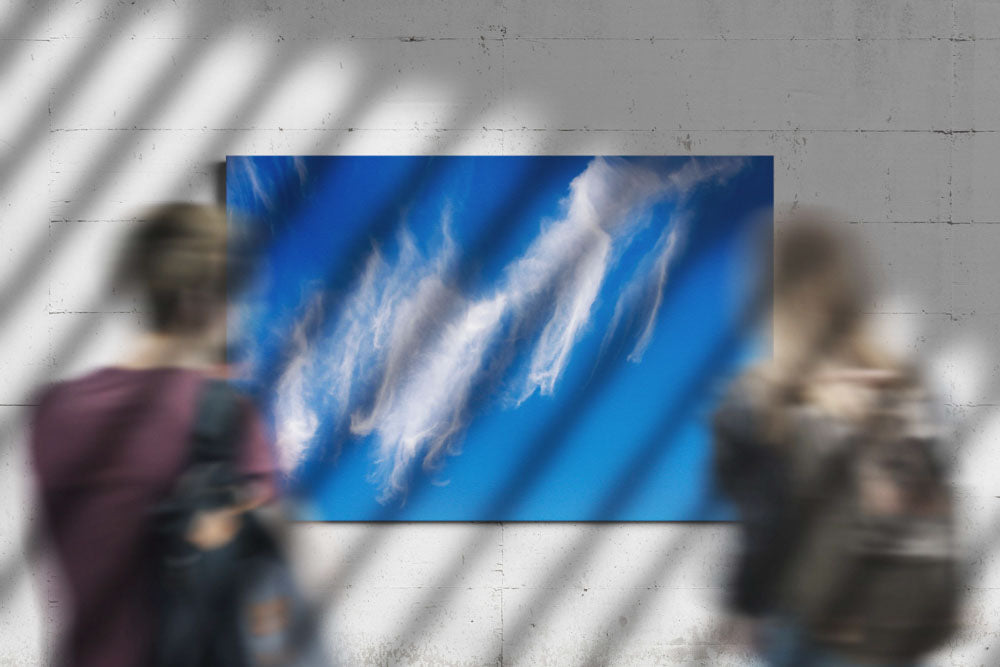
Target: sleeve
753,476
51,465
736,429
937,426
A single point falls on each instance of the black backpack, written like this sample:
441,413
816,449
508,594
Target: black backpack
236,605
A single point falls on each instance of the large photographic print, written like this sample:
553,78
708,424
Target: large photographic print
498,338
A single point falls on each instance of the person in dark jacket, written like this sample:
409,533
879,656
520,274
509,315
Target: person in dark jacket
788,435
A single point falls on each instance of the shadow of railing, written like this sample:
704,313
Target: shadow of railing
155,97
338,279
29,15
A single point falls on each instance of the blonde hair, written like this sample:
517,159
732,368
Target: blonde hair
820,328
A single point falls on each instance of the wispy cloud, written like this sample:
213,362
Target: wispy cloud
423,416
419,416
245,166
642,297
572,257
666,250
328,368
296,420
424,345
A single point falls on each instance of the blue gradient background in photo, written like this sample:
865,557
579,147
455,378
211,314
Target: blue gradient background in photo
616,439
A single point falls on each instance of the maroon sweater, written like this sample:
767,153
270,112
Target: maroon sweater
107,448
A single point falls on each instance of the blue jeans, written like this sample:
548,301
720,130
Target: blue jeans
787,645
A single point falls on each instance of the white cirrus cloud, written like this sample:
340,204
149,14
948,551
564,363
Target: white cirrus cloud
423,345
296,420
640,300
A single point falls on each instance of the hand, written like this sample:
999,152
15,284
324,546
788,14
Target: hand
211,529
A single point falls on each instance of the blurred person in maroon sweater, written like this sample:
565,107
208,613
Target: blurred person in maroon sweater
109,446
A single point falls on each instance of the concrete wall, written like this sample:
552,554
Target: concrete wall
886,110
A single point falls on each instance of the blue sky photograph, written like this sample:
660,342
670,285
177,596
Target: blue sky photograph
498,338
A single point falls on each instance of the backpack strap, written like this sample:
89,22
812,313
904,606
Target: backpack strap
216,425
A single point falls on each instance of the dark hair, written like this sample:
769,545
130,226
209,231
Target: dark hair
177,259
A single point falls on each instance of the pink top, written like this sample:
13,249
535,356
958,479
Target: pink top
107,448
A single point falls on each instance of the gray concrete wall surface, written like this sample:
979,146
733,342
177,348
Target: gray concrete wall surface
888,111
